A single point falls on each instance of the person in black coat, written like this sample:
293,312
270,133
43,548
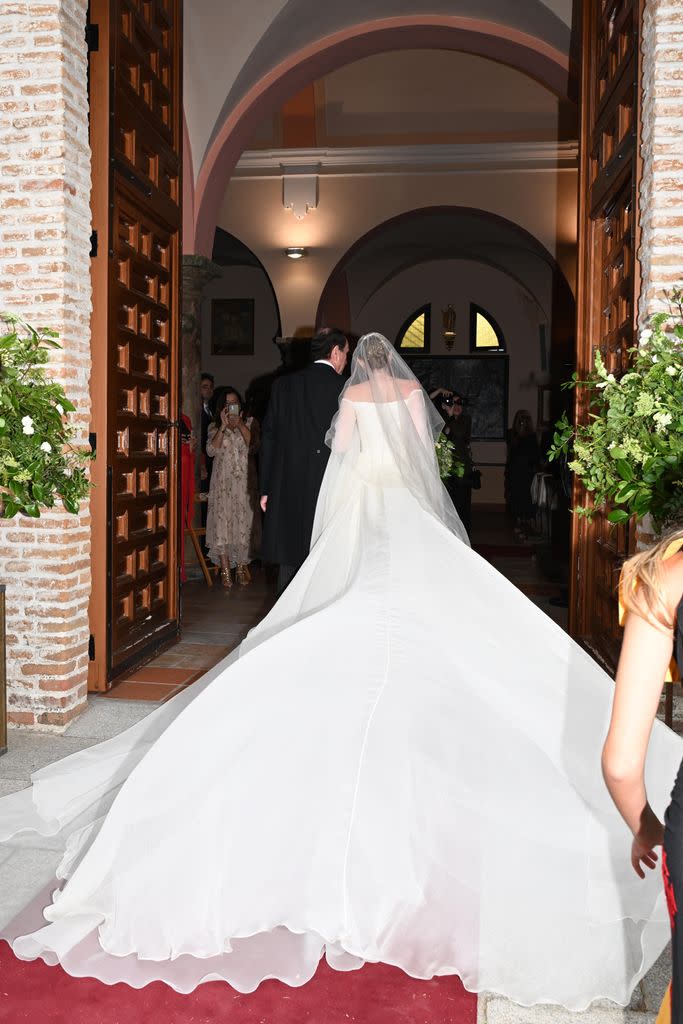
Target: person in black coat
294,454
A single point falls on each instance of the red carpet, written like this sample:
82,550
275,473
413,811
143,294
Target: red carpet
32,993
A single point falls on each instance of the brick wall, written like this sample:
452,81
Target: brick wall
45,277
661,191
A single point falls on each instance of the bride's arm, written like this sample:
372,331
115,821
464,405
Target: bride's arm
416,408
344,427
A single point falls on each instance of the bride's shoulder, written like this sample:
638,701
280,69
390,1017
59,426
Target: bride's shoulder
358,393
409,388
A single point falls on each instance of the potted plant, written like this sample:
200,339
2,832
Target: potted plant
39,460
629,452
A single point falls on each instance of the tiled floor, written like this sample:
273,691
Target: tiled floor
214,621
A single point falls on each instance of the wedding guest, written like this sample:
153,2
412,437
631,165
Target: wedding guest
652,596
458,430
520,467
294,455
232,501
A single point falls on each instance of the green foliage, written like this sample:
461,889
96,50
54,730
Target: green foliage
629,453
38,462
449,463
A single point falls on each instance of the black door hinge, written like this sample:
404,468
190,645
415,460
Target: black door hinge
93,244
92,37
92,441
91,648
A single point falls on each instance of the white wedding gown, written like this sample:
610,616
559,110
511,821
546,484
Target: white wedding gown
401,765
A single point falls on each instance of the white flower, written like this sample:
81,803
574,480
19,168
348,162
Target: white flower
644,335
27,425
672,371
655,359
611,378
59,409
611,445
46,446
601,384
662,419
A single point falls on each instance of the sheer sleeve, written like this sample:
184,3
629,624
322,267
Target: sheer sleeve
344,427
416,407
211,433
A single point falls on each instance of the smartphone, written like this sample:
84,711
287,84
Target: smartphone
233,409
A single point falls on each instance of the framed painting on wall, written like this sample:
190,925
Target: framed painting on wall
232,327
482,380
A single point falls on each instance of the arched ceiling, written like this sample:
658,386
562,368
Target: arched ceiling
440,234
226,53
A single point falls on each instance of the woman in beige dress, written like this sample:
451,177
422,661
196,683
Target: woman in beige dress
232,497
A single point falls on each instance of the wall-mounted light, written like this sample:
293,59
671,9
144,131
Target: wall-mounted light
295,252
448,326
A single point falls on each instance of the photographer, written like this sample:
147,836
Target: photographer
458,430
232,497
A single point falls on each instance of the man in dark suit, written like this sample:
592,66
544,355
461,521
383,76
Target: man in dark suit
293,451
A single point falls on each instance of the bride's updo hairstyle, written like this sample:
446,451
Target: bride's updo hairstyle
373,349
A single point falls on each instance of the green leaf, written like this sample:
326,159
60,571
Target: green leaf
618,515
624,469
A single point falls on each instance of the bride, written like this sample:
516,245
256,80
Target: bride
392,768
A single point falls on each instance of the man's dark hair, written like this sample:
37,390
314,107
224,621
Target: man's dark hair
206,376
325,340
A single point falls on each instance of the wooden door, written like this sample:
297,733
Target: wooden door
607,283
136,334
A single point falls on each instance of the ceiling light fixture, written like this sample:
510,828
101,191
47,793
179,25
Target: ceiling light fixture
295,252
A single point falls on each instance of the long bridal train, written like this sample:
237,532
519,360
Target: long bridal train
401,765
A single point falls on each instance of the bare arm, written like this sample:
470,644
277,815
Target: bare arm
645,655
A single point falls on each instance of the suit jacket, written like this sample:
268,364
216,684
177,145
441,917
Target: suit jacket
294,457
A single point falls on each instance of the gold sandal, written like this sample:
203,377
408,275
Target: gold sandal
243,576
226,578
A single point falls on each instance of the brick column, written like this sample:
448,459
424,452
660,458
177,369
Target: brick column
45,277
197,272
661,187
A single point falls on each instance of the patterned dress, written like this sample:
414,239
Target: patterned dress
233,501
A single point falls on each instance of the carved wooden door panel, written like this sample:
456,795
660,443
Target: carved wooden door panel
136,373
607,283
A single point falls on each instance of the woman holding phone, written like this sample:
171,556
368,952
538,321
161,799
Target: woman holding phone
230,520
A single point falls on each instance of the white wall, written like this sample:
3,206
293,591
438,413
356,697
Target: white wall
239,371
418,92
460,282
541,201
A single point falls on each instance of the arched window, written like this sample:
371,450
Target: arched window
415,332
485,334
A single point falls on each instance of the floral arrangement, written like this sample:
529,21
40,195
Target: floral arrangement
449,463
38,461
629,455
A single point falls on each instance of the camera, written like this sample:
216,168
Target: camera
447,400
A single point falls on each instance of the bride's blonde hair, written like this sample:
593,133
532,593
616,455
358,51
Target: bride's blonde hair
642,589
